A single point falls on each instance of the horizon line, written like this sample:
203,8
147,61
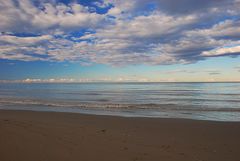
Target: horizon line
79,82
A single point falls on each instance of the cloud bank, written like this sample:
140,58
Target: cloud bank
119,33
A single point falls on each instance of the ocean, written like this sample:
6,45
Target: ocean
199,101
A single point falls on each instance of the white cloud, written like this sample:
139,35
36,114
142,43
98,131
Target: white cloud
227,29
114,11
51,80
165,35
82,80
24,41
222,51
153,25
28,18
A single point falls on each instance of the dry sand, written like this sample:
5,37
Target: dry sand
46,136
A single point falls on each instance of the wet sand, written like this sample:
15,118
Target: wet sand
46,136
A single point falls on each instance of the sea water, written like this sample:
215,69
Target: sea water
201,101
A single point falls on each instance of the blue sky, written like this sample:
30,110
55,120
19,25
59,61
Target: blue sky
111,40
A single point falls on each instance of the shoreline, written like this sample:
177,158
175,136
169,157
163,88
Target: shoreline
55,136
140,113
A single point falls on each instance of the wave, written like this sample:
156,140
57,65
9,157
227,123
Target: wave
112,106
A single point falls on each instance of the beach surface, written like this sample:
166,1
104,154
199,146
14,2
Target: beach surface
51,136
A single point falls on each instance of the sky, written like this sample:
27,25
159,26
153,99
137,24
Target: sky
119,40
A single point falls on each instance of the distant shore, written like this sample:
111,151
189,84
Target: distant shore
49,136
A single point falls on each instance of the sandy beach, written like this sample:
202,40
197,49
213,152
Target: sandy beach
46,136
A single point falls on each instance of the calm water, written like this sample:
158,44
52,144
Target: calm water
204,101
